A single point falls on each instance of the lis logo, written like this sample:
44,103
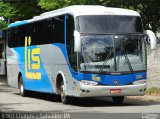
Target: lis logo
32,60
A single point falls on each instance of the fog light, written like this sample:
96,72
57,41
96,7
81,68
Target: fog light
140,90
82,90
139,82
87,91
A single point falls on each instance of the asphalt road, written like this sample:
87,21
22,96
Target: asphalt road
90,108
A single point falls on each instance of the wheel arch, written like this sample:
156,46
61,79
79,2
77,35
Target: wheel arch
60,76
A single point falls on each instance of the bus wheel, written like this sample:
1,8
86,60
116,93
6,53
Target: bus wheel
23,92
64,98
118,100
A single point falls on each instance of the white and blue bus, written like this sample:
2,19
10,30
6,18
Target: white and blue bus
79,51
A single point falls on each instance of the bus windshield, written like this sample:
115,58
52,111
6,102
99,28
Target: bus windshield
103,24
112,53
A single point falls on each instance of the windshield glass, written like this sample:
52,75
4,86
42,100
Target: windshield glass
112,53
103,24
95,50
130,53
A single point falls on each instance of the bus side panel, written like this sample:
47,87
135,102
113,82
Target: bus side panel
12,79
12,68
53,60
68,72
57,57
34,74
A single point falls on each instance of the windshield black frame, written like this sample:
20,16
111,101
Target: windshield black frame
102,24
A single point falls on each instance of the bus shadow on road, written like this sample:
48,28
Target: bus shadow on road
107,101
91,102
43,96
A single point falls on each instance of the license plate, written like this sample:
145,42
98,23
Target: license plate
115,91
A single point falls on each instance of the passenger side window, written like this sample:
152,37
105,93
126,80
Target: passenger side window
46,31
38,33
59,29
49,30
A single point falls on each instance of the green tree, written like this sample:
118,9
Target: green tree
150,12
55,4
3,25
27,9
18,10
8,12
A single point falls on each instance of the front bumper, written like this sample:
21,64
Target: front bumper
99,91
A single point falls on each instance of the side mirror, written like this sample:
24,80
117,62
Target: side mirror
152,37
77,41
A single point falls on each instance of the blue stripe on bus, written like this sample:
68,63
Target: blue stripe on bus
109,79
104,79
42,85
17,23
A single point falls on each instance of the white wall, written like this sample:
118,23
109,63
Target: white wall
153,67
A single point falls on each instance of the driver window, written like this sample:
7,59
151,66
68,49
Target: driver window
70,42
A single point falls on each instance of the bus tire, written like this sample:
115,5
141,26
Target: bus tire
64,98
118,100
23,92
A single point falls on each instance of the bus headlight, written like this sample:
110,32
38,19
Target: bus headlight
139,82
91,83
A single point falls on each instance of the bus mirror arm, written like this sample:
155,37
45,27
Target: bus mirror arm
77,41
152,38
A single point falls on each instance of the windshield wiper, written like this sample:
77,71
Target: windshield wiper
106,60
125,55
128,62
123,52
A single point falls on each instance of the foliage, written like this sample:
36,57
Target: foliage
3,25
27,9
55,4
7,10
153,91
20,10
50,4
150,12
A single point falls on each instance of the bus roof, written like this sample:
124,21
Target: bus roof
78,10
